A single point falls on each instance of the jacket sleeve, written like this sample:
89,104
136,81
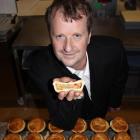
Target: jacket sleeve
118,86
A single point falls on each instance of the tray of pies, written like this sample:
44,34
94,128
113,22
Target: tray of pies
95,129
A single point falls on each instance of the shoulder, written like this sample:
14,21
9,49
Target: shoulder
40,56
105,44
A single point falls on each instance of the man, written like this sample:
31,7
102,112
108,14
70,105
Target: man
72,55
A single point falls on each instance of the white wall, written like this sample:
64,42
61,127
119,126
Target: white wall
8,7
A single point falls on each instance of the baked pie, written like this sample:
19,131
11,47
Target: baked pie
54,129
56,136
34,136
80,126
36,125
12,136
122,136
16,125
99,125
63,86
78,136
100,136
119,124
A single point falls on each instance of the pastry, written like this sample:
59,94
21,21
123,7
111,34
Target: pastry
122,136
80,126
78,136
36,125
56,136
119,124
100,136
12,136
99,125
54,129
62,86
34,136
16,125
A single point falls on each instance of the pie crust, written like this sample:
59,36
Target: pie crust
99,125
80,126
36,125
119,124
16,125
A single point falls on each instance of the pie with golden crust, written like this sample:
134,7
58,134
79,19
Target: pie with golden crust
78,136
36,125
119,124
16,125
54,129
99,125
34,136
100,136
122,136
12,136
80,126
63,86
56,136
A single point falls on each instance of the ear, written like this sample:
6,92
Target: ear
89,37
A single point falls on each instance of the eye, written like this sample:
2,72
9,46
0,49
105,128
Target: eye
60,37
77,36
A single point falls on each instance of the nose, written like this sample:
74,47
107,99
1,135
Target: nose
67,46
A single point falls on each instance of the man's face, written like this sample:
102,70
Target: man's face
70,40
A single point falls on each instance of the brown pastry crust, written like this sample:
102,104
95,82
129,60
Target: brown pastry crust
36,125
80,126
122,136
12,136
34,136
119,124
16,125
99,125
78,136
56,136
100,136
54,129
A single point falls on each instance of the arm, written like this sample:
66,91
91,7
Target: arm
119,82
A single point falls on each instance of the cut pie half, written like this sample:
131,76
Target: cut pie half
62,86
122,136
78,136
100,136
56,136
119,124
54,129
12,136
34,136
80,126
16,125
99,125
36,125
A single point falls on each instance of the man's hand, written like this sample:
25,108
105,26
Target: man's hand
69,95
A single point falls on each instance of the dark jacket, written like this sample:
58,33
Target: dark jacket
108,75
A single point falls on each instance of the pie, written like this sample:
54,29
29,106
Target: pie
122,136
100,136
36,125
80,126
16,125
12,136
34,136
99,125
63,86
54,129
78,136
119,124
56,136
